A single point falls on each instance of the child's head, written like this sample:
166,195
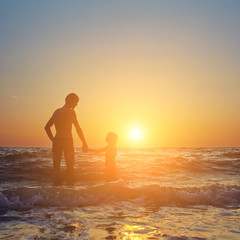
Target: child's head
72,100
111,138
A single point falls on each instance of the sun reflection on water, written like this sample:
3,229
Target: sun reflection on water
137,232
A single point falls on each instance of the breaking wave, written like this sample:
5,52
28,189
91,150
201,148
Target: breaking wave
21,198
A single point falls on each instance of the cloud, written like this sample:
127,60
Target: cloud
15,97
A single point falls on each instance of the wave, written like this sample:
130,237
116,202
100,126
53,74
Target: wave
21,198
232,154
16,155
199,165
39,169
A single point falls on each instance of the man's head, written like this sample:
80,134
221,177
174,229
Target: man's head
71,100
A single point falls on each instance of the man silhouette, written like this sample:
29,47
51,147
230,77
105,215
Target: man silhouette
62,142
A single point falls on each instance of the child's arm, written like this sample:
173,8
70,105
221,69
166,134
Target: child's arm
99,150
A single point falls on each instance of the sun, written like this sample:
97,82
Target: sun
135,134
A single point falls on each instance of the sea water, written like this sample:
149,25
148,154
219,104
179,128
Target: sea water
162,193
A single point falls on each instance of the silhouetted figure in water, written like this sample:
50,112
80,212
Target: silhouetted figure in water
62,142
110,154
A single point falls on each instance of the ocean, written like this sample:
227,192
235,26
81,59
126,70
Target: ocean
162,193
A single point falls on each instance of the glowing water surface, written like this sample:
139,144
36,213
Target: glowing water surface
162,194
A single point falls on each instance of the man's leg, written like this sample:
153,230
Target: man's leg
69,158
57,155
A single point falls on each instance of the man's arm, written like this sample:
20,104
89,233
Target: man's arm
48,128
80,134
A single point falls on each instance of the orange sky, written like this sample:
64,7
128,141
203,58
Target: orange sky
169,69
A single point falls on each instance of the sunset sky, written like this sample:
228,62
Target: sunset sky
168,69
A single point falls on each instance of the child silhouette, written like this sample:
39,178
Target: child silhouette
110,154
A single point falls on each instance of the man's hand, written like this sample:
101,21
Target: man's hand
85,147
